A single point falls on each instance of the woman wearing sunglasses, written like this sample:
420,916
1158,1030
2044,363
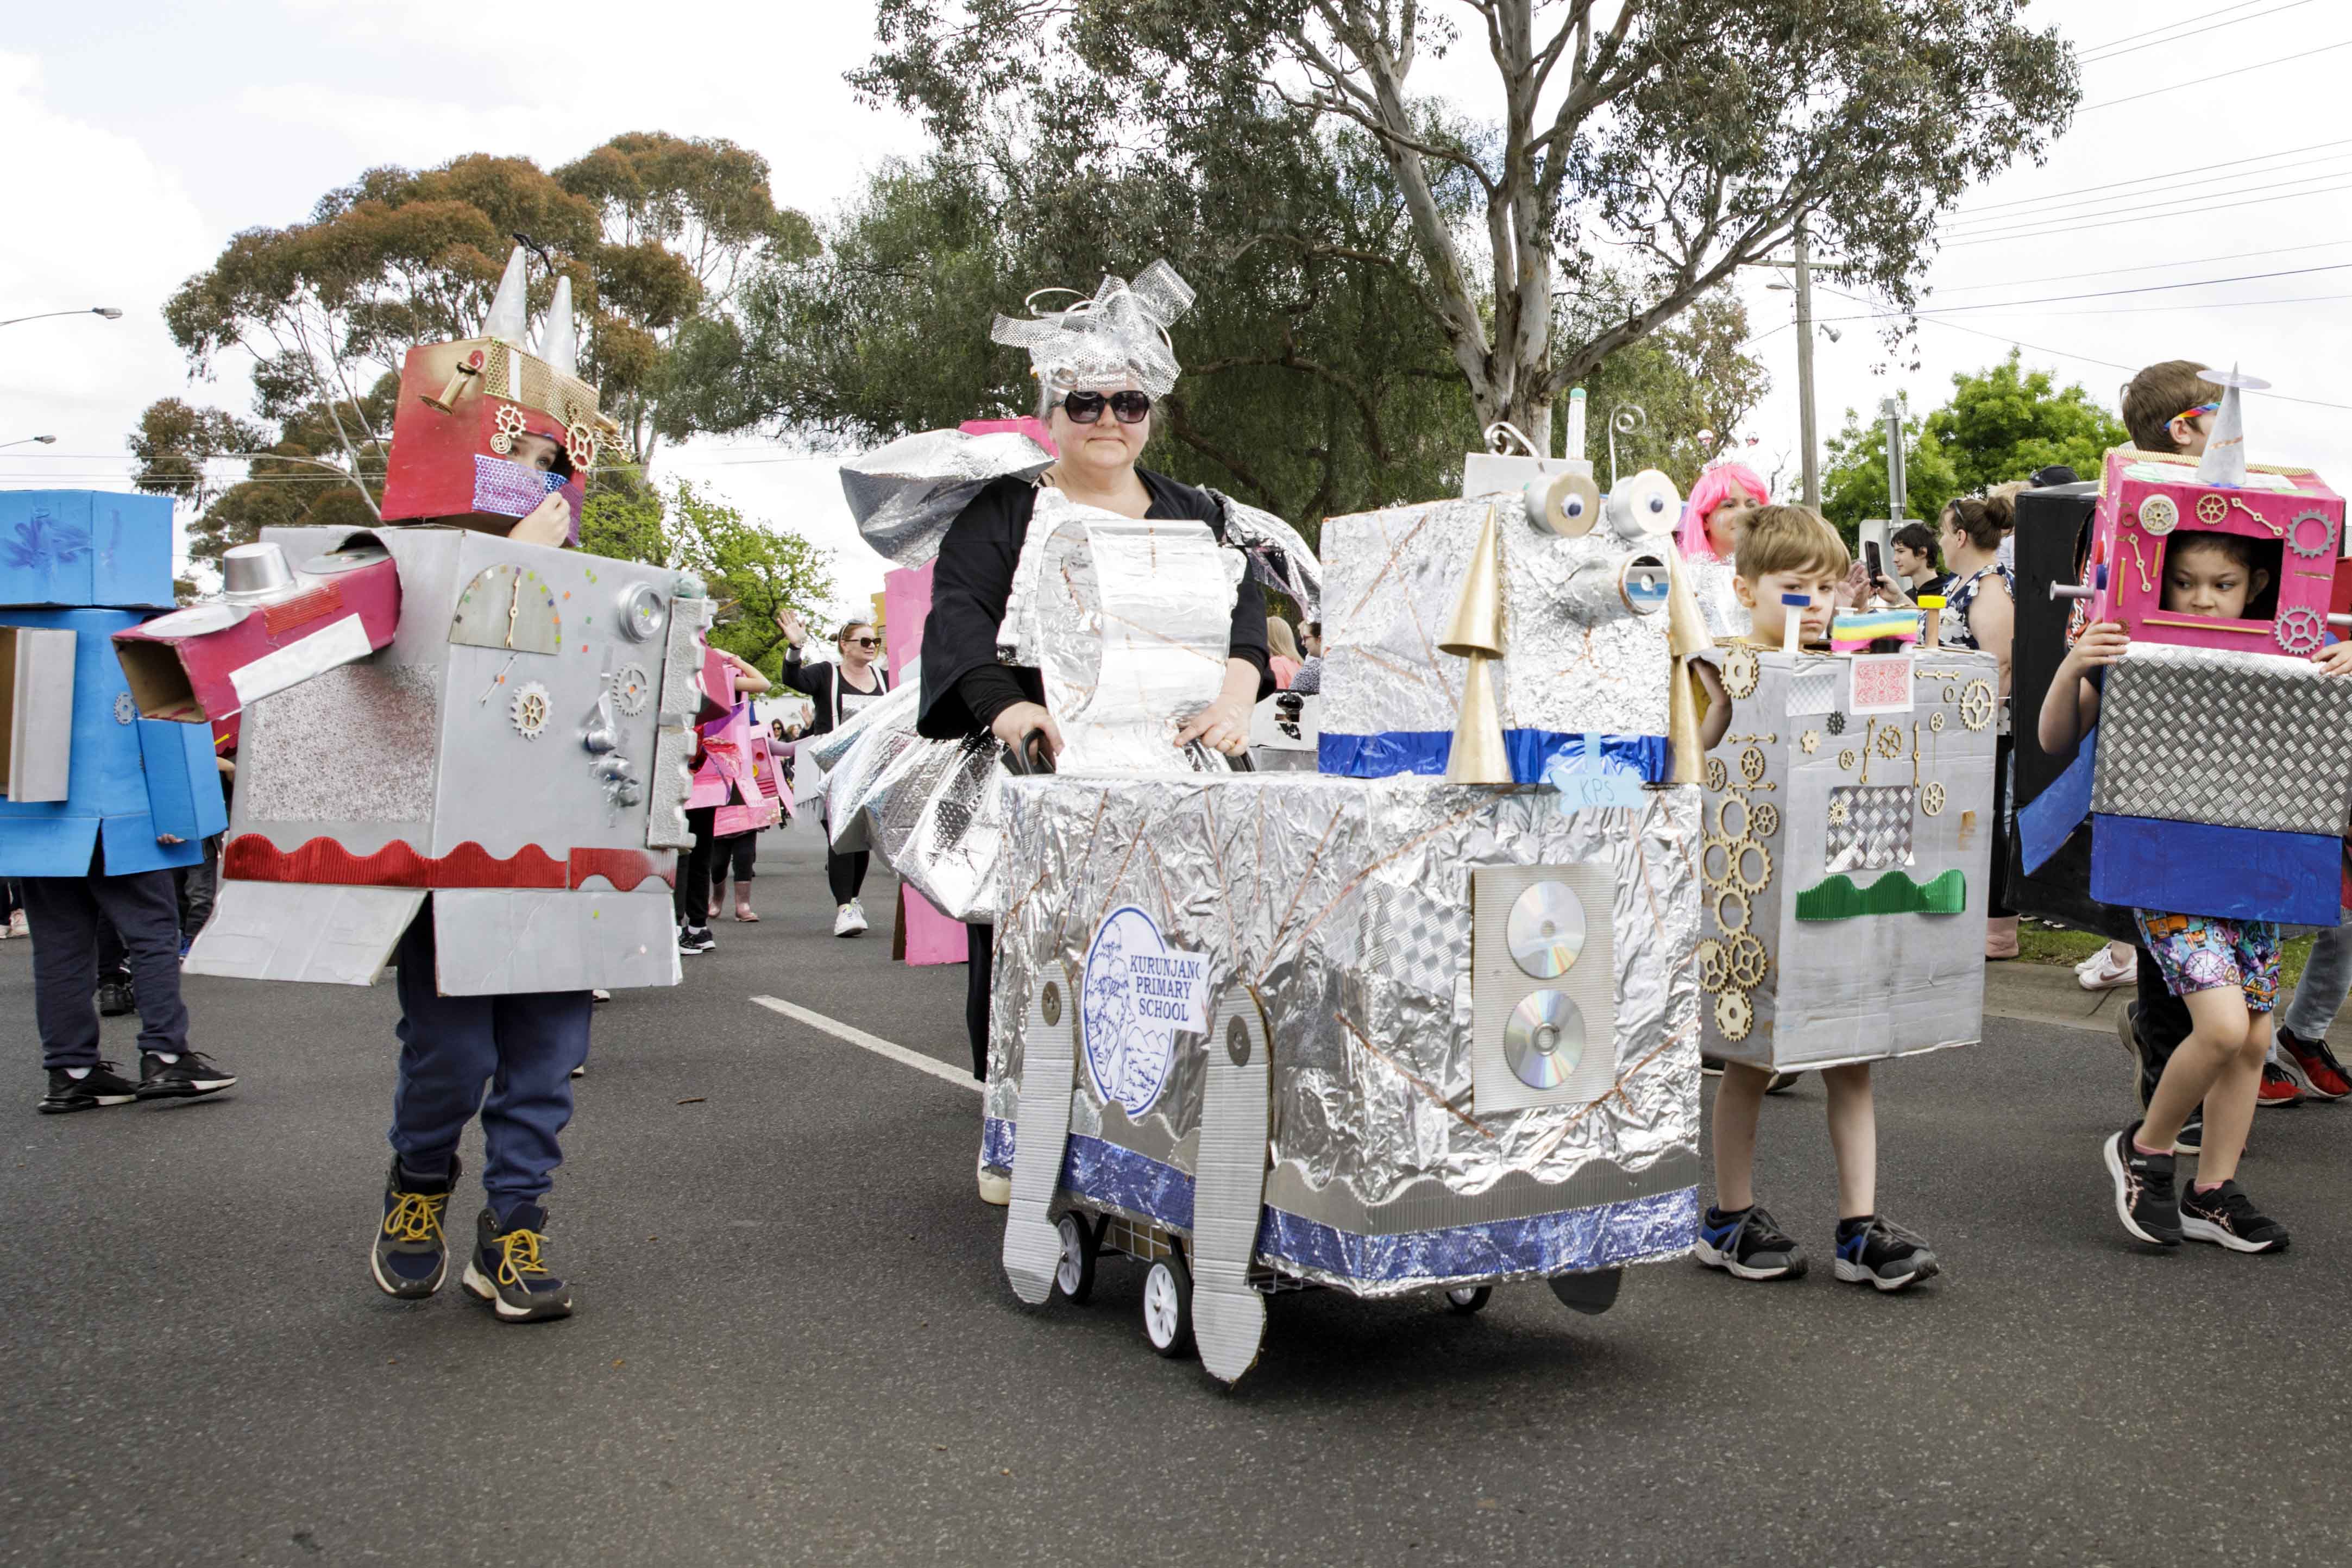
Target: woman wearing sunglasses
840,691
1102,366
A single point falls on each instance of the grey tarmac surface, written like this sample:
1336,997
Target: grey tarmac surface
795,1343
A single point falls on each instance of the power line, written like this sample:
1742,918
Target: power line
2211,26
1985,228
2070,227
2174,177
2143,289
2201,15
2218,76
2143,266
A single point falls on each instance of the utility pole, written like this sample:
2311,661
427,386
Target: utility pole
1898,481
1811,467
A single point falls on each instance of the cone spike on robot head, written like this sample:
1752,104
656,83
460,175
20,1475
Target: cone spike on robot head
1476,625
558,344
2224,462
509,318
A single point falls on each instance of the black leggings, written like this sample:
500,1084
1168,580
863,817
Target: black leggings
693,901
1998,906
735,853
845,873
979,977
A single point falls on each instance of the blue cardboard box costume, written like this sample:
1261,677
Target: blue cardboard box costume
83,768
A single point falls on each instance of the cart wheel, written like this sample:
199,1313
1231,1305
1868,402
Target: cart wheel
1470,1299
1076,1272
1168,1306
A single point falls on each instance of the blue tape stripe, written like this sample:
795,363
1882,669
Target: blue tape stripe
1531,752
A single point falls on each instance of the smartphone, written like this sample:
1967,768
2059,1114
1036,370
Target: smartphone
1871,560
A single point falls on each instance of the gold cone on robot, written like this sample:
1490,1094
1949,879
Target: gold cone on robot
1474,631
1476,625
1478,757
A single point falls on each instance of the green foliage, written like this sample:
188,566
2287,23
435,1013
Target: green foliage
1665,143
2001,424
753,572
1686,379
314,470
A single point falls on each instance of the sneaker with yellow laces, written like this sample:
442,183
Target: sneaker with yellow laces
509,1268
410,1257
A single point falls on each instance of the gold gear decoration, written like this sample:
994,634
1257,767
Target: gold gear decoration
1751,764
1708,850
1890,742
1935,721
1723,815
1838,813
509,425
579,446
1740,672
1976,704
1744,961
1809,742
1738,876
1845,760
2212,510
1733,1016
2157,515
1764,820
1717,775
1931,800
1729,895
1711,970
530,710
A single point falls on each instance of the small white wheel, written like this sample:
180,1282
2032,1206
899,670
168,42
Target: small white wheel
1469,1298
1168,1306
1075,1274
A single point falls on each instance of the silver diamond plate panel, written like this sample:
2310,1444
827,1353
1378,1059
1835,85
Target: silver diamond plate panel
2240,740
1869,826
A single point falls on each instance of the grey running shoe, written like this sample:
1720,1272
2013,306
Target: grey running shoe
1749,1245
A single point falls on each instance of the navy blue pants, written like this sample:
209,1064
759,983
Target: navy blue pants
522,1048
66,915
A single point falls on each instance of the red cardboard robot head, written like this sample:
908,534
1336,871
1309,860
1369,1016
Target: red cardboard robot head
487,429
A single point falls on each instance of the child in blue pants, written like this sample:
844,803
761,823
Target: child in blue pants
522,1049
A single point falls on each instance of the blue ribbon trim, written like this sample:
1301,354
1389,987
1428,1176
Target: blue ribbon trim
1531,752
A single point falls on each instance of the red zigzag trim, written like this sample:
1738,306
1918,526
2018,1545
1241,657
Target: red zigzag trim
251,857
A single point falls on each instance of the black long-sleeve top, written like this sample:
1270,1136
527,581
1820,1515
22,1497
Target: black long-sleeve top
964,688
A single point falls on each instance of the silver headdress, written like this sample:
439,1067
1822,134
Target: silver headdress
1118,336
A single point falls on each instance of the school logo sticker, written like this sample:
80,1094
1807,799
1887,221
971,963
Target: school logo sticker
1138,994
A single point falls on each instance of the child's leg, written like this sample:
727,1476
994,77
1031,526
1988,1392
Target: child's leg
2229,1103
1854,1136
2217,1037
541,1037
1739,1103
64,919
447,1053
2326,978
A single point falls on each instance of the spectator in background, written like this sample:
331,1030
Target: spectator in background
1718,508
1309,682
1980,612
1913,548
840,691
1284,660
713,788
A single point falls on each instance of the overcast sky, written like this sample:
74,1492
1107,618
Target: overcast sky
137,147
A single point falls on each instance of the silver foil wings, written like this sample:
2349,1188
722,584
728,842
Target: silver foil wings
1118,336
904,496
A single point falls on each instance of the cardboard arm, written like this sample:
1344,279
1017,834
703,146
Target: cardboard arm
207,663
183,789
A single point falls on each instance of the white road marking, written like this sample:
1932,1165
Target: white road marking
873,1042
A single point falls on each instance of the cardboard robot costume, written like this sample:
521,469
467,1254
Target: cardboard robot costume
434,707
2217,780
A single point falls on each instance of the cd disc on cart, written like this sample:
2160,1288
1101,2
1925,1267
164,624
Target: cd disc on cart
1544,1040
1546,929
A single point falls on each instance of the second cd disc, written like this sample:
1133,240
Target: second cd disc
1543,1041
1546,929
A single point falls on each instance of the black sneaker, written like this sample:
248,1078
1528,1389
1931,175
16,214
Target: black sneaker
115,998
1873,1250
2227,1217
696,940
2191,1138
411,1255
1710,1067
101,1085
507,1268
193,1074
2144,1199
1782,1082
1749,1245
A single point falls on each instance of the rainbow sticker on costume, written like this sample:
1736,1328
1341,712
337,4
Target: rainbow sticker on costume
1138,995
1853,632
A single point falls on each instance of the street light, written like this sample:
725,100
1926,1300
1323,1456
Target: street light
22,440
109,311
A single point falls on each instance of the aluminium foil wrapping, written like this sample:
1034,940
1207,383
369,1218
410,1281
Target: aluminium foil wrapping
1278,556
1719,603
1341,908
1579,657
905,495
2239,740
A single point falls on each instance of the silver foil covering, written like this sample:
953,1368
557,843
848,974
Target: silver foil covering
2282,763
905,495
1279,557
1341,908
1578,657
1719,604
933,809
380,723
1120,335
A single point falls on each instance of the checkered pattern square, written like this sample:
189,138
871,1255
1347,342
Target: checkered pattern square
1813,688
511,489
1876,830
2195,735
1415,941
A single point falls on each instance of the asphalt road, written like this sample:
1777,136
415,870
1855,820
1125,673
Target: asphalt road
795,1343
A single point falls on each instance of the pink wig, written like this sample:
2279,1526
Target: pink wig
1717,486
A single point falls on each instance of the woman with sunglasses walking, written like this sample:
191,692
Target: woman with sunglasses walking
1100,365
839,692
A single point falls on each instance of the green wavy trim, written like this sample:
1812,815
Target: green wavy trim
1893,893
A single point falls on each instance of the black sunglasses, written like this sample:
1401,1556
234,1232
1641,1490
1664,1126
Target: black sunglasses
1086,407
863,641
